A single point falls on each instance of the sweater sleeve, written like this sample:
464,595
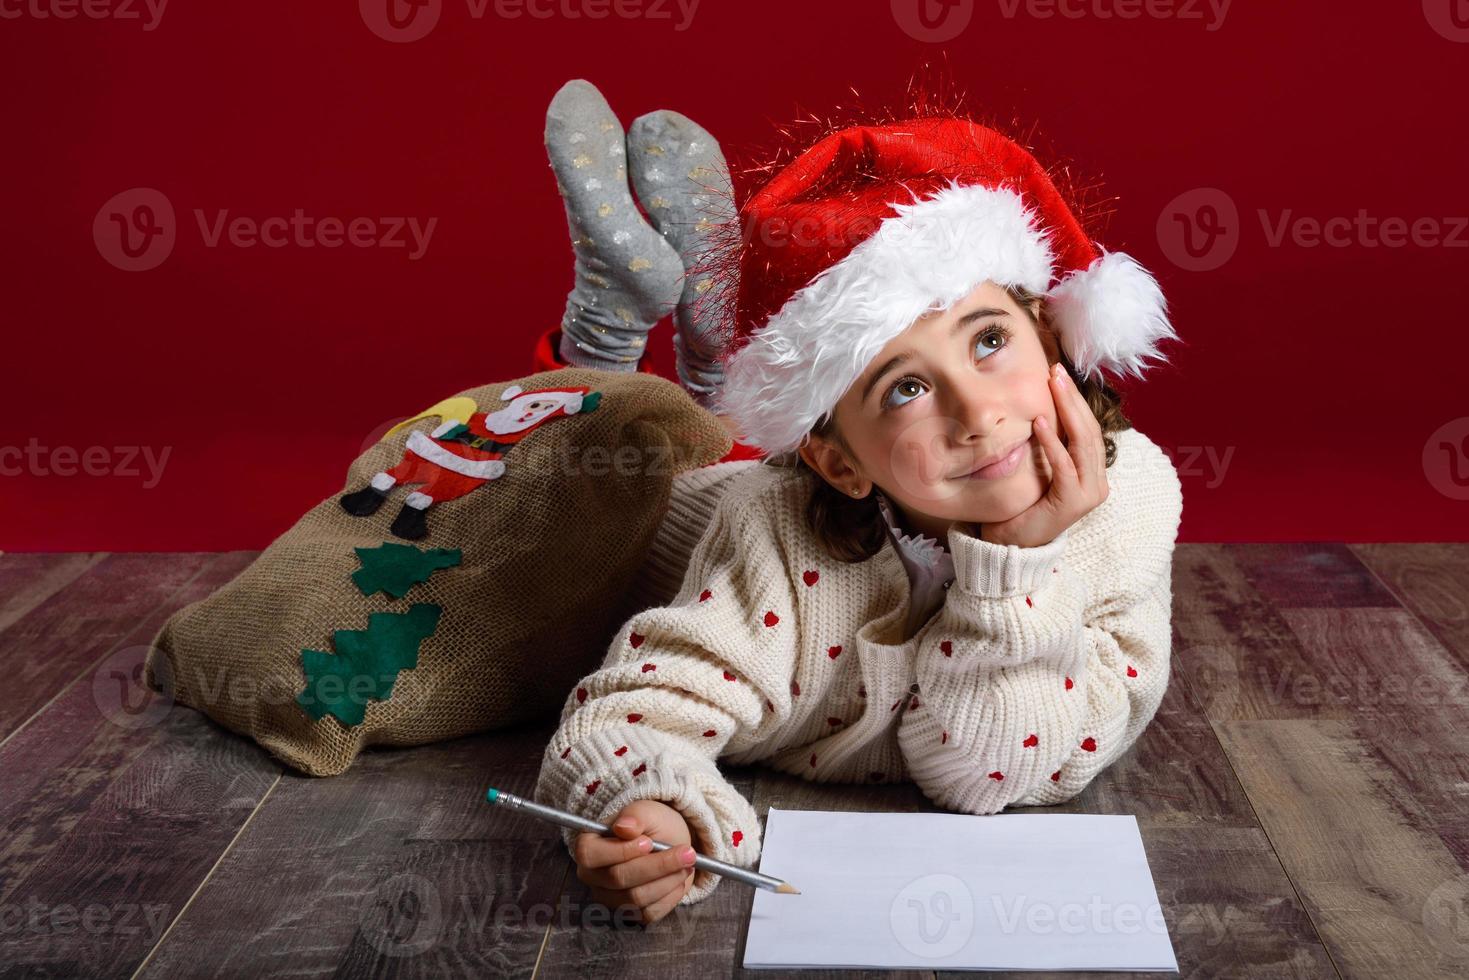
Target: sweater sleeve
1029,684
679,683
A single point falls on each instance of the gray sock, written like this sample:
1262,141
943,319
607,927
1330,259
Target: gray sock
682,180
627,277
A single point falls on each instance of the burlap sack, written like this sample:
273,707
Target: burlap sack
548,550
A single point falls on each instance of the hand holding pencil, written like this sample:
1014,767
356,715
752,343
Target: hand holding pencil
641,860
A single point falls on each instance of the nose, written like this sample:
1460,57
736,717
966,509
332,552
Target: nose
975,411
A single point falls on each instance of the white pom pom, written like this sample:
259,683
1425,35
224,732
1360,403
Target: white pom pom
1111,315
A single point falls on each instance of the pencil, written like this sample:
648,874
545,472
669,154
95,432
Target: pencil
575,822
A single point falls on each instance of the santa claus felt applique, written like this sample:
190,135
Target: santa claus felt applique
466,451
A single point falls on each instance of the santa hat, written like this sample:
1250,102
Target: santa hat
875,226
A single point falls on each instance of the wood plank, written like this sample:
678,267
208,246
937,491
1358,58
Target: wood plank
1354,841
111,818
1315,574
1410,696
1431,580
28,579
63,636
397,865
1233,648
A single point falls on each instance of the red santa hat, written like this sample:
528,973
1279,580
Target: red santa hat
877,225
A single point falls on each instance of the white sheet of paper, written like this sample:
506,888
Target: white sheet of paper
950,891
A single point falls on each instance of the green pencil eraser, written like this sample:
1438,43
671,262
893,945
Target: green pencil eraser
492,794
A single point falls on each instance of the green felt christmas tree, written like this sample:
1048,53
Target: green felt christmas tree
366,663
396,568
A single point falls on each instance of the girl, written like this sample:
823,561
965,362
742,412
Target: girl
953,565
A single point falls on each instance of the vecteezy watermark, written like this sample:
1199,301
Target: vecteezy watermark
933,916
1210,12
933,21
34,459
1199,230
121,691
1446,459
405,21
136,230
408,914
148,12
1450,18
1446,920
35,918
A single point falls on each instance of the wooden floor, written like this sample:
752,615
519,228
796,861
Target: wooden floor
1303,796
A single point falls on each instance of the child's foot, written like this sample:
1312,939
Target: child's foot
627,276
682,180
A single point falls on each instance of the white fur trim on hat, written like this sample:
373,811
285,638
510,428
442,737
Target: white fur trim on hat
1110,315
923,259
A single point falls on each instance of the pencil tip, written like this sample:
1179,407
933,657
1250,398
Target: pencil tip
788,889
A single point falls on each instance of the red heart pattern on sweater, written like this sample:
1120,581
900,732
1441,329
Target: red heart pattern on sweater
1068,684
771,618
834,652
833,722
912,704
581,695
1131,671
795,689
710,733
648,667
1056,776
861,690
947,647
1089,743
620,751
567,752
642,768
736,837
636,639
592,786
729,677
810,576
944,739
1028,602
1031,742
704,596
997,776
634,718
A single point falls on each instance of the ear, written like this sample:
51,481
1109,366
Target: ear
829,460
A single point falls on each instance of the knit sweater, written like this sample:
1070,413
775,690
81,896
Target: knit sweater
1038,668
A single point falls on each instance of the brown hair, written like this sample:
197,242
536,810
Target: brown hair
853,529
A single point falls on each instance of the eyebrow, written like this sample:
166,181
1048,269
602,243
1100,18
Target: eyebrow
907,356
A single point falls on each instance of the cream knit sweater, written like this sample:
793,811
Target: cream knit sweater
1039,668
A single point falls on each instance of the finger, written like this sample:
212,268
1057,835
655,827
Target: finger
669,901
1068,415
1063,467
597,851
655,891
637,871
1084,433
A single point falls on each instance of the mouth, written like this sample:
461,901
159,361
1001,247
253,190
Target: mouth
997,466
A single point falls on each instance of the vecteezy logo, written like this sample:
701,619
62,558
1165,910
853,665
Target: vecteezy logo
1450,18
934,21
135,230
1199,229
1446,459
933,916
403,916
121,691
400,21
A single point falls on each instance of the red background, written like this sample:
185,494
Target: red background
1321,374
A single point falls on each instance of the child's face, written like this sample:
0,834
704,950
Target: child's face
975,380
